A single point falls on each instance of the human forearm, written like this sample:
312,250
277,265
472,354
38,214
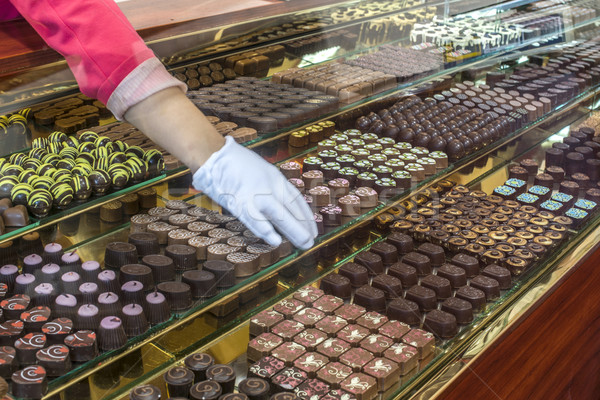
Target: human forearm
174,123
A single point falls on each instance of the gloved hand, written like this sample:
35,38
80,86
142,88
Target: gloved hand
257,194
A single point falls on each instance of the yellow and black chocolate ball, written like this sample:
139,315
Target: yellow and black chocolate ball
38,153
120,146
101,163
62,194
57,137
102,152
17,158
59,173
69,153
11,170
85,158
39,202
102,141
45,169
39,143
82,169
66,164
42,182
82,188
100,181
119,175
86,147
27,176
54,148
32,164
138,168
155,161
20,193
7,183
118,157
88,136
71,141
51,158
3,161
135,151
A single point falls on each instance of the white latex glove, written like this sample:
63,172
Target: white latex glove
257,194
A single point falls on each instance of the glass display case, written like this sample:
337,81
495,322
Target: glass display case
453,98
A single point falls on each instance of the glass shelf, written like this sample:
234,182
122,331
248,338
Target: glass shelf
198,326
264,145
495,165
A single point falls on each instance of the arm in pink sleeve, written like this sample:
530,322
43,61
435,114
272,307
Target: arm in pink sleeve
108,58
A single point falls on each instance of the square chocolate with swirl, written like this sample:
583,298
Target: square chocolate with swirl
288,379
334,373
266,367
333,348
356,358
422,340
405,356
311,363
312,389
331,325
376,344
309,316
362,386
264,321
288,352
308,295
262,346
372,321
287,329
310,338
353,334
384,370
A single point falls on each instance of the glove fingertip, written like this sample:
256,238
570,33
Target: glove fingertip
273,239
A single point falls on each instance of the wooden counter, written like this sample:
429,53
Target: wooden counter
552,352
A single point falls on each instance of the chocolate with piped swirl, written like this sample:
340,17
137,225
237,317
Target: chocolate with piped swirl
145,392
198,363
178,375
234,396
222,374
206,390
284,396
30,382
255,388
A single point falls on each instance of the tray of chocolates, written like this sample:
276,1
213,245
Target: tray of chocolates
63,172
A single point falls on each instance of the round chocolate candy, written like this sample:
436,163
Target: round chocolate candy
145,392
198,363
254,388
222,374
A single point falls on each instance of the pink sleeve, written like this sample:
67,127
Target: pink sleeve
109,59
